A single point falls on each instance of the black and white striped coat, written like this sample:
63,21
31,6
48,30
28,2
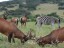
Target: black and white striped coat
47,20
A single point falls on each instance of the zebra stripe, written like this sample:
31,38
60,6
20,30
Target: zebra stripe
47,20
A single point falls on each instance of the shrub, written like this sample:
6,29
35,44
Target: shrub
53,14
31,17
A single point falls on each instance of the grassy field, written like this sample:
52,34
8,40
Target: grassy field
47,9
43,31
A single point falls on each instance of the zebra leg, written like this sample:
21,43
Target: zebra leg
52,24
59,23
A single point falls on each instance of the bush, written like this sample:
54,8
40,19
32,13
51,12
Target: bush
10,6
18,12
61,8
31,17
61,5
54,15
10,17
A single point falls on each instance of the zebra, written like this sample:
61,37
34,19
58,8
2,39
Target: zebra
47,20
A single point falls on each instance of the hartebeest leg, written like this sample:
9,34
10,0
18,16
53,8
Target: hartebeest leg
9,37
56,42
17,22
13,38
25,23
52,42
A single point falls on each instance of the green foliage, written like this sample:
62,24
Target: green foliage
37,15
5,4
10,6
9,17
54,15
3,8
61,5
18,12
31,17
51,1
61,8
31,4
31,7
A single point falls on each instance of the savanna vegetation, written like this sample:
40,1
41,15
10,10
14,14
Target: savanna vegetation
18,8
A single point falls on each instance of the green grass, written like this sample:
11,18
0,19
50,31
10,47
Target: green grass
43,31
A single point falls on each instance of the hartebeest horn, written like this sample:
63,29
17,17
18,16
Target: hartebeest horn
31,34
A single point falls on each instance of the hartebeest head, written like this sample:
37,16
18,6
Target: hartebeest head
44,40
40,41
30,36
